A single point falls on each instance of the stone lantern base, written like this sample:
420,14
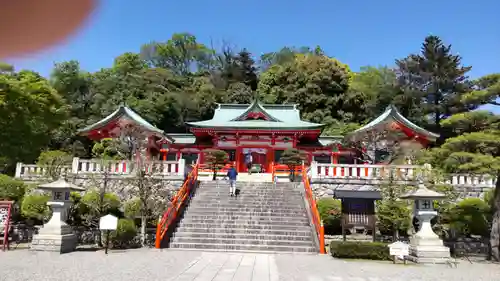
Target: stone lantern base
428,250
49,240
56,235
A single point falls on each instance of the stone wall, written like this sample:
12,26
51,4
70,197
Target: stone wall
126,187
22,233
326,188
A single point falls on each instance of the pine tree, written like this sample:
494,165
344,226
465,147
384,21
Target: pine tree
247,71
436,80
477,149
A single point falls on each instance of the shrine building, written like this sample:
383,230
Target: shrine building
263,130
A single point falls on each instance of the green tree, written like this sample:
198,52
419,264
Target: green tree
393,213
316,83
54,163
181,54
216,159
108,148
30,110
476,149
293,158
436,81
286,55
74,85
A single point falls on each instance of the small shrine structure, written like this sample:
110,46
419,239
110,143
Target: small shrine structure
375,140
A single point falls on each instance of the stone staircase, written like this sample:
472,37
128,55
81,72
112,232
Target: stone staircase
264,217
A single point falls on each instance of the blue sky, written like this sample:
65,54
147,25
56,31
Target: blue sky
363,32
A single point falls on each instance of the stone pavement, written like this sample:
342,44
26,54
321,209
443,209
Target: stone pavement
150,264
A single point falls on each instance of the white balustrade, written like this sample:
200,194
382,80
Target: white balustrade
400,172
96,166
362,171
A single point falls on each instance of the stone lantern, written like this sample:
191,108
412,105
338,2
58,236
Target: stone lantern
56,235
425,245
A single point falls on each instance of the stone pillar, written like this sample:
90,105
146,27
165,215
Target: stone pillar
182,167
19,167
74,165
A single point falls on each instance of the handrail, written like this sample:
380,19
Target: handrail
179,200
316,219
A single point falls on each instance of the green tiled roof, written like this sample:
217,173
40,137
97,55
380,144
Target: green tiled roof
183,138
328,140
281,116
391,114
123,112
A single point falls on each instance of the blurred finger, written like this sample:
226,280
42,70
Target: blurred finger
32,25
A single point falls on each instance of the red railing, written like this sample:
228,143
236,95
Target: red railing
318,224
316,219
281,169
177,203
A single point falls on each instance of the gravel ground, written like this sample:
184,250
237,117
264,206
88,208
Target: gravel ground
150,264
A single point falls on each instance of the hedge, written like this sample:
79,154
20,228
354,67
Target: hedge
360,250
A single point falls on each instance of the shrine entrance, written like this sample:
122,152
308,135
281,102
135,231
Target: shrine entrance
260,160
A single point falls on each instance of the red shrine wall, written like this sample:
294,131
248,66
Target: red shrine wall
265,150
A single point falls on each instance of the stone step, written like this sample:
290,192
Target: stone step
242,231
251,206
245,217
257,242
248,201
252,185
224,189
247,222
221,192
244,226
245,196
294,236
233,247
196,208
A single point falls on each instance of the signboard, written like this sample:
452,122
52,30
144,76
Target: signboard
399,249
108,222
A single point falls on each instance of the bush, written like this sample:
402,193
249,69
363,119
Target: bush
360,250
330,211
132,208
393,217
34,207
470,216
54,161
124,235
11,189
90,207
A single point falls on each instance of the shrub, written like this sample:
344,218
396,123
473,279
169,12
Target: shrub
470,216
34,207
11,189
360,250
123,236
90,207
132,208
54,162
330,211
393,217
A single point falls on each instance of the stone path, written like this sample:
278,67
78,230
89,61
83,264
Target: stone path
149,264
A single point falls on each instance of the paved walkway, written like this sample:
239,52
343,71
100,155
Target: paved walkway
149,264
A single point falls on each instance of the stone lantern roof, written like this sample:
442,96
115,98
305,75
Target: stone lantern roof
60,184
422,192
